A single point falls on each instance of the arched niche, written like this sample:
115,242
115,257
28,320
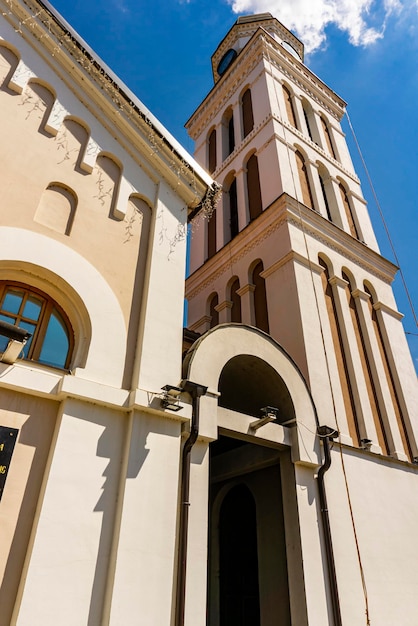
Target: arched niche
56,209
247,384
37,101
9,60
216,359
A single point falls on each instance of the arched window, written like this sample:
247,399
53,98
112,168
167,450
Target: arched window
236,302
389,375
228,134
260,298
233,209
327,135
346,388
212,234
212,151
325,196
247,112
289,106
214,315
304,180
306,113
253,187
368,377
52,339
348,212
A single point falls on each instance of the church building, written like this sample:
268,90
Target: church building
259,468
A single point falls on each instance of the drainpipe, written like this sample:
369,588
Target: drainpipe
326,433
196,391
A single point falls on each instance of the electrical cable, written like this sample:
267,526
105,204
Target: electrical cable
362,575
379,208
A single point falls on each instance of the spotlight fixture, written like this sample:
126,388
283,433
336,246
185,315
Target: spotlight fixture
267,414
17,339
170,399
366,444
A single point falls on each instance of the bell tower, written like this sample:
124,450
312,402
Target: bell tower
290,248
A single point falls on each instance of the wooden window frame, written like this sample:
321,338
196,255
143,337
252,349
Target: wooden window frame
41,325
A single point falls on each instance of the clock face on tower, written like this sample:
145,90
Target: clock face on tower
229,56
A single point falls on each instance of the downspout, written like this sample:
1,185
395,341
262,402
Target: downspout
196,391
326,433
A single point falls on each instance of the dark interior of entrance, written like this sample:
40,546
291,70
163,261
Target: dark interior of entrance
247,576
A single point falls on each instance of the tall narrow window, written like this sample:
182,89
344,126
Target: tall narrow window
212,234
228,133
247,112
289,106
233,209
327,135
304,180
253,187
348,212
371,389
260,298
236,302
212,151
213,313
340,356
307,120
325,196
389,377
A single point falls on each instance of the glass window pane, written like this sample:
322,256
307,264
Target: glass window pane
56,343
7,318
32,308
3,343
12,301
30,328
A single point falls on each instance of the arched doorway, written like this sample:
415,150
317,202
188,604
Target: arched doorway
239,600
247,566
245,371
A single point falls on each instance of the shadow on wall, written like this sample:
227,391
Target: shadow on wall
36,420
138,448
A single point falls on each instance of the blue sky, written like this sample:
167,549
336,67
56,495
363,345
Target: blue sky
367,51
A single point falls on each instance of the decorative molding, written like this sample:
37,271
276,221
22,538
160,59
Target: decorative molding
362,295
112,104
226,304
249,288
379,306
287,210
337,281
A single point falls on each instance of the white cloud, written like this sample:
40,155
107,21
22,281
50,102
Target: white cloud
363,20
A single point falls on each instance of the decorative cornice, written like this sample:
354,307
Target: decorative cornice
240,30
263,46
106,97
287,210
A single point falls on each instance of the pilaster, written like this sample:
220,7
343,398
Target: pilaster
247,304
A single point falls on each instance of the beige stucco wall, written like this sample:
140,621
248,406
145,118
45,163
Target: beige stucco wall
93,213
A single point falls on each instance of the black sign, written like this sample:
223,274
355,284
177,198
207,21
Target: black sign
8,438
